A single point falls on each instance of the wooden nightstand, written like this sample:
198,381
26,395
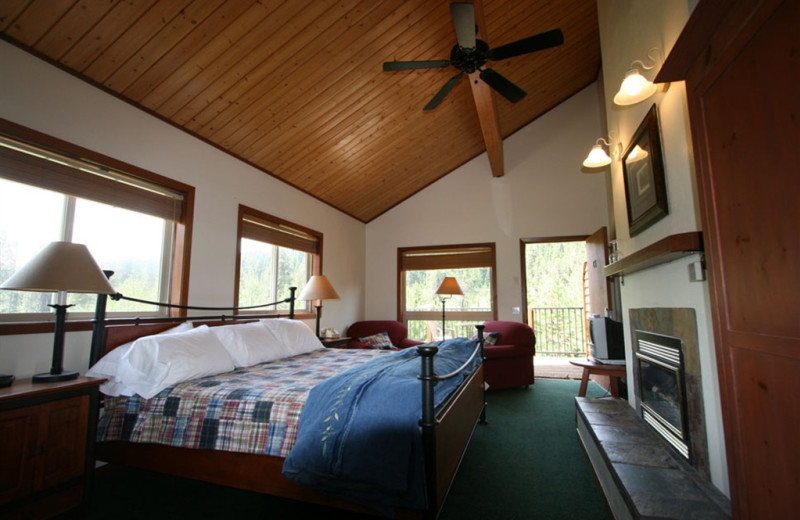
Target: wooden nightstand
47,449
335,342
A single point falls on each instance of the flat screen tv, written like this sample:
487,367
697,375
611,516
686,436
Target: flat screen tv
606,341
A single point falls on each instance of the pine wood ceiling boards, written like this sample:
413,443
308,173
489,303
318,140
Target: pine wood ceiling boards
296,88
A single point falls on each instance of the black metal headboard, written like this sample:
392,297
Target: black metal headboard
100,320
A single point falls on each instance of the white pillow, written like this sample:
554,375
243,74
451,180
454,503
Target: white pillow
294,335
250,343
156,362
107,367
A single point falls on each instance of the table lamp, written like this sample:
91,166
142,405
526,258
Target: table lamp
61,266
448,288
318,288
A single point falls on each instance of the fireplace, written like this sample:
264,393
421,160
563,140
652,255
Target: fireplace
662,389
667,385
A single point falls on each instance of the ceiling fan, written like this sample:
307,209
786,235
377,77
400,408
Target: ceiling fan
469,56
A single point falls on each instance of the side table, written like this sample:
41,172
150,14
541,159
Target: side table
335,342
614,372
48,432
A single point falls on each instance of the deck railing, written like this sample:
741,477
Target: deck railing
559,331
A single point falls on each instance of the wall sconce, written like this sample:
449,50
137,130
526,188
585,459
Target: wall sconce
598,158
635,87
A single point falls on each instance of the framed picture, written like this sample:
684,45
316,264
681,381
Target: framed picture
643,169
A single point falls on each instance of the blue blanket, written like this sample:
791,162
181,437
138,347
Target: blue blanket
359,434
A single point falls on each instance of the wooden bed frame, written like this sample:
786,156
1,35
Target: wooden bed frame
446,431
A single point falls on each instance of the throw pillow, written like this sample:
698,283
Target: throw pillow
380,340
489,338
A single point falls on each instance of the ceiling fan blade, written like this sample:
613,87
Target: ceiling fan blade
412,65
538,42
434,102
498,82
464,22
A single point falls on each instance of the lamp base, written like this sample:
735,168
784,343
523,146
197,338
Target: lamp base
47,377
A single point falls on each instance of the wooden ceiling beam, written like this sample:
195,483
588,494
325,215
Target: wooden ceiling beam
486,106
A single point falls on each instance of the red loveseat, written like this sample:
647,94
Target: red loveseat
509,363
398,333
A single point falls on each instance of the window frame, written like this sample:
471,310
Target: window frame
437,258
316,256
182,240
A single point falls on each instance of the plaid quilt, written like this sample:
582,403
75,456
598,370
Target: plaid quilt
251,410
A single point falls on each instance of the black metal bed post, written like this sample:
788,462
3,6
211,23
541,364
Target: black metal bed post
480,328
428,424
291,303
98,328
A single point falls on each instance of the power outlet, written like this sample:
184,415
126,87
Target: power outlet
514,310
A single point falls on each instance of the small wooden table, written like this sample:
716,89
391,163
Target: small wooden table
614,372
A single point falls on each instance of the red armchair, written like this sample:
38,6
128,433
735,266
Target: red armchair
509,363
398,333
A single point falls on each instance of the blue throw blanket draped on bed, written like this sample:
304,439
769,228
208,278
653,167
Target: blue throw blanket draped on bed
359,432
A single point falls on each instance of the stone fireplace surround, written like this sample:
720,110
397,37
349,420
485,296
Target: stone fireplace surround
641,475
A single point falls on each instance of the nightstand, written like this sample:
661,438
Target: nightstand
335,342
48,432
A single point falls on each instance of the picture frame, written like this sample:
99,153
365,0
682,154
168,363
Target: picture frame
643,172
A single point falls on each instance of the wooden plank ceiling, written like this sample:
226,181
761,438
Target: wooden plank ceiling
296,88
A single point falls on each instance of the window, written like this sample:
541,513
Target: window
134,224
272,256
422,269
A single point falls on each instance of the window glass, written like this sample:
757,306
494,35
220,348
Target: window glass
274,255
134,222
128,243
30,218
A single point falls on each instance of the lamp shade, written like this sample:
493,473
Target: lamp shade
61,266
597,158
634,88
449,286
318,288
637,154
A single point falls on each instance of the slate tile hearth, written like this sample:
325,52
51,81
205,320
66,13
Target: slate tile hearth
653,482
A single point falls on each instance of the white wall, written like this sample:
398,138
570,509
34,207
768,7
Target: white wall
42,97
543,194
628,30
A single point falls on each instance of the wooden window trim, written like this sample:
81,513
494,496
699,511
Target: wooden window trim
295,236
455,256
183,228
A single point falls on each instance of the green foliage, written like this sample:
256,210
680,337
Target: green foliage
554,273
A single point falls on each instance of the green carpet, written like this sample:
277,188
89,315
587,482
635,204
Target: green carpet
527,463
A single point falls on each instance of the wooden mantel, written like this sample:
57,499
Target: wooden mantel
665,250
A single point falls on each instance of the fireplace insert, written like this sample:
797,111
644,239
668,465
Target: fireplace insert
662,392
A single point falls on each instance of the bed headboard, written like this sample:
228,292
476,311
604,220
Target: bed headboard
110,333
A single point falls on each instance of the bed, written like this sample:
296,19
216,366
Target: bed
216,446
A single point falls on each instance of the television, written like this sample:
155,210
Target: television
606,340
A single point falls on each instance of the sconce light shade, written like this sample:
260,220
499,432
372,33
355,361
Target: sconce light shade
637,154
597,158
